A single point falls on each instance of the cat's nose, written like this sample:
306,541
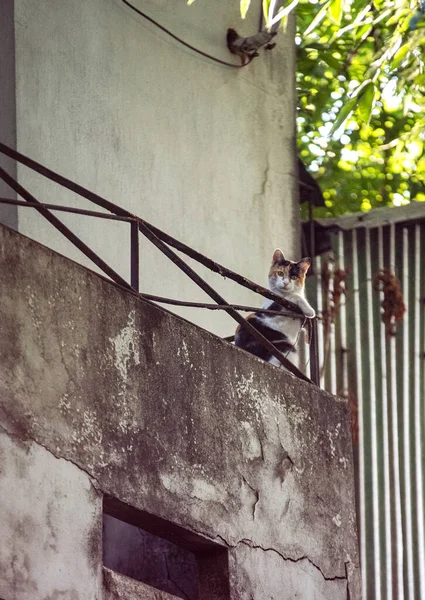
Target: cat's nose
285,282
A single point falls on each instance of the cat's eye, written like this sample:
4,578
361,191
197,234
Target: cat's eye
279,273
294,277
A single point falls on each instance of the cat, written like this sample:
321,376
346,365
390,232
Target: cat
287,280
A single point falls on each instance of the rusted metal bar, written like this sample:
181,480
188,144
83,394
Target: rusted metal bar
241,307
18,188
106,204
69,209
134,255
314,354
220,300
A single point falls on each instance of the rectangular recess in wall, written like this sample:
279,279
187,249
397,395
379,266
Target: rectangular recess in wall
162,554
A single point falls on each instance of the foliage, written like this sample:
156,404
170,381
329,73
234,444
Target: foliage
361,86
361,90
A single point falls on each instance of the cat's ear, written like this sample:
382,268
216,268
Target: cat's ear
304,264
278,257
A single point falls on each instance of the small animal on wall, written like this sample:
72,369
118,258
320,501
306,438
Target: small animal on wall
287,280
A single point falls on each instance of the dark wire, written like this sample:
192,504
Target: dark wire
218,60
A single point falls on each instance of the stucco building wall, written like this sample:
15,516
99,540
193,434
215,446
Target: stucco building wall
201,150
51,519
180,433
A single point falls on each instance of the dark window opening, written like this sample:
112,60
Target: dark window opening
162,554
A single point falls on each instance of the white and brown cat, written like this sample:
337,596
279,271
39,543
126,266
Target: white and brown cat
287,280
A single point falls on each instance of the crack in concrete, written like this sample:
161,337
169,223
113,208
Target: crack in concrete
255,492
93,481
251,544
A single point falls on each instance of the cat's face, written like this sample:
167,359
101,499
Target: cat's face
285,276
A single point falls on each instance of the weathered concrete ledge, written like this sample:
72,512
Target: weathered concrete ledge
119,587
171,420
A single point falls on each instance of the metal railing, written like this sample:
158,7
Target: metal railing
165,243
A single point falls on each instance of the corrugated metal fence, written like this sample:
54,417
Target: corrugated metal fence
382,374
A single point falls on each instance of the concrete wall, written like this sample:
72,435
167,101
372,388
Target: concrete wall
204,151
185,435
50,521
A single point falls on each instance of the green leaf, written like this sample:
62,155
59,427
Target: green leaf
420,80
244,5
343,114
395,19
330,60
399,56
363,32
366,100
335,11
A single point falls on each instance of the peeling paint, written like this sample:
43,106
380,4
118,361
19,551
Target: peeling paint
344,461
196,487
337,520
126,347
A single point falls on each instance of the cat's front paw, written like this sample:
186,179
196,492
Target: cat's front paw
309,312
